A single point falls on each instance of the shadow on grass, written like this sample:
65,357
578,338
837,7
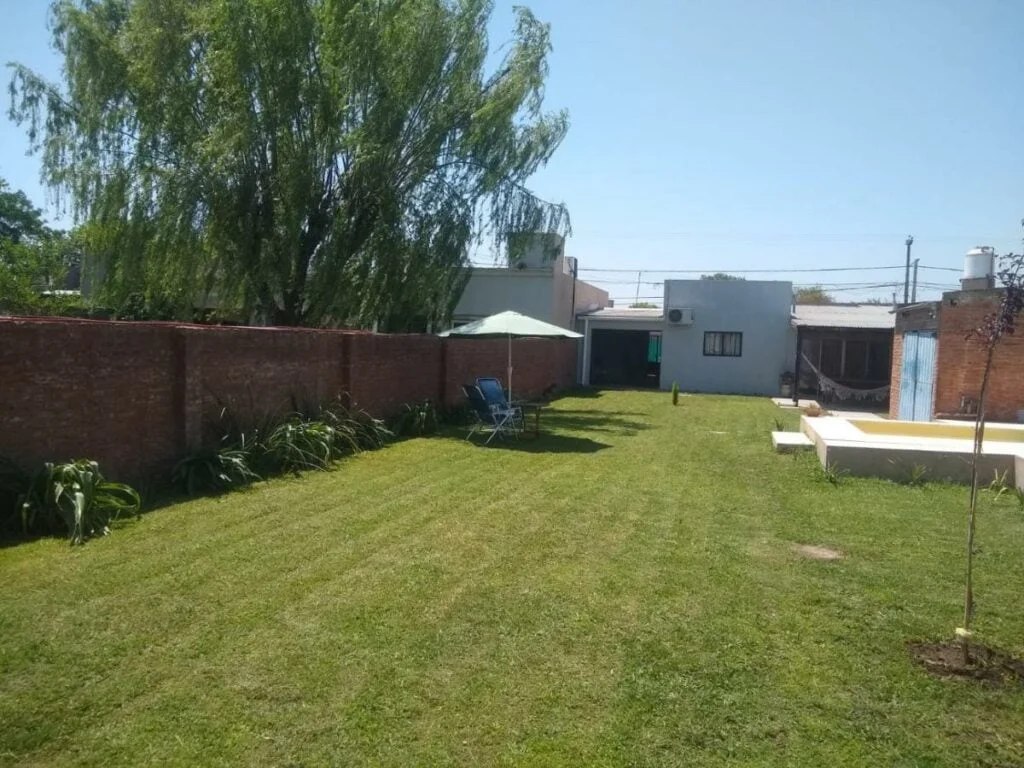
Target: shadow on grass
590,421
588,393
546,443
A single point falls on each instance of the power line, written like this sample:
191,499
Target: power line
837,237
741,271
826,289
714,270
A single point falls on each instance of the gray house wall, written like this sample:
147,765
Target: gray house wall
759,309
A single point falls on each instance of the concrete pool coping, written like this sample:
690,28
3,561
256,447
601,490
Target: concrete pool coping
839,442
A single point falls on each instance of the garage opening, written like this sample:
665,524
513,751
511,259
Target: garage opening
625,358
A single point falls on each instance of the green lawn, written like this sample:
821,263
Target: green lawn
620,592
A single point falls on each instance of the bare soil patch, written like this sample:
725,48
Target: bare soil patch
988,665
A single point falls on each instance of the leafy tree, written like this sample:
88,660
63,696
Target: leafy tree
721,276
995,327
302,161
814,294
34,259
19,219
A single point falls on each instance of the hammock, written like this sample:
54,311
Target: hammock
833,390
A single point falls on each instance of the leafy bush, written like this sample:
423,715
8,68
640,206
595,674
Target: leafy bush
357,430
832,474
214,470
373,433
73,496
917,476
416,420
15,483
298,444
675,393
354,432
458,415
1000,486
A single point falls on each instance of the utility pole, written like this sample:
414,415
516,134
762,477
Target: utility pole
913,288
638,276
906,275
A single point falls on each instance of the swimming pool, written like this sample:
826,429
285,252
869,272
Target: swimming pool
898,449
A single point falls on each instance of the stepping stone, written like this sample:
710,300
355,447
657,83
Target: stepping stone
790,442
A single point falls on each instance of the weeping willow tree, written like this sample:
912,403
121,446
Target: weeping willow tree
307,162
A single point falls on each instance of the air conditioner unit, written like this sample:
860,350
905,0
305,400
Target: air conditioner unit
680,315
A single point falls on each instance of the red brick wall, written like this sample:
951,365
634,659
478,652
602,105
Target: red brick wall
388,371
961,360
894,378
536,365
134,396
110,391
261,372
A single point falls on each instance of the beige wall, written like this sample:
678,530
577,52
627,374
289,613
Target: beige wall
493,290
561,294
587,296
546,294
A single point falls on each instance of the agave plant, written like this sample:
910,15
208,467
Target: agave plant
76,495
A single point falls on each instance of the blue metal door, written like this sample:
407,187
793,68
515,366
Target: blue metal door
917,376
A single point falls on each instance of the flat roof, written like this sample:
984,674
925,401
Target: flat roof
865,316
626,313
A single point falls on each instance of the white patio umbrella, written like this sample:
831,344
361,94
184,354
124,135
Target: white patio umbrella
511,324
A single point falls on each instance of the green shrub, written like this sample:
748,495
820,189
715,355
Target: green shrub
73,496
298,444
416,420
15,483
832,474
214,470
355,431
675,393
371,433
458,415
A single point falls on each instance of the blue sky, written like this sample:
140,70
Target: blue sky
727,134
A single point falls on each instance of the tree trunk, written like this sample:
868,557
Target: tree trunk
979,438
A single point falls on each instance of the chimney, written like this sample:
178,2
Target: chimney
979,269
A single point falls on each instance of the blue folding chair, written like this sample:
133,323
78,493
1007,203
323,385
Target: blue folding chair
494,393
489,418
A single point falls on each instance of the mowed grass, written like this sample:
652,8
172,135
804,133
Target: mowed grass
620,592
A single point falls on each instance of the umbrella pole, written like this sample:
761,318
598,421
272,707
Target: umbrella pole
510,368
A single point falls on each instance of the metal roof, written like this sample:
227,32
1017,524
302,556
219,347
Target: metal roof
626,313
867,316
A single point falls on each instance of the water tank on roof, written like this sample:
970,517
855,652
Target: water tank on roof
534,250
979,263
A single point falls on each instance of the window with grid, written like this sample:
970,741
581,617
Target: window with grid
723,344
